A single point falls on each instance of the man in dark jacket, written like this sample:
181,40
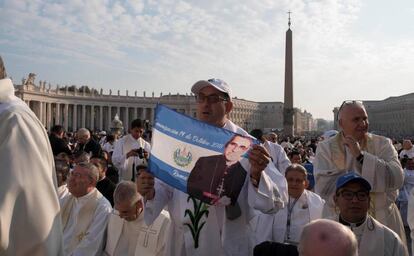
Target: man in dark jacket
57,142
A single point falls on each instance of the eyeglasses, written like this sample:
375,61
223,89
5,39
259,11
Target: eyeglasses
213,98
349,195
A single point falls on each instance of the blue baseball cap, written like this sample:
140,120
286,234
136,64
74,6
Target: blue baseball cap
352,177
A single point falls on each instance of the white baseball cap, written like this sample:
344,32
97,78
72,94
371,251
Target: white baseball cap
214,82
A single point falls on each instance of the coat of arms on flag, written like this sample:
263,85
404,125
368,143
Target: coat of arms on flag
198,158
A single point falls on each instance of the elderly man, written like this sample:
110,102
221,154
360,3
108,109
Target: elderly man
127,233
29,206
327,238
353,200
85,213
217,234
87,144
372,156
128,151
303,206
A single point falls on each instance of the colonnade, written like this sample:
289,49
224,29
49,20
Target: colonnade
93,116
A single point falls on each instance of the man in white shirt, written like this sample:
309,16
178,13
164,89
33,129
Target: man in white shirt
128,152
128,235
407,150
85,213
303,206
370,155
264,189
352,200
29,207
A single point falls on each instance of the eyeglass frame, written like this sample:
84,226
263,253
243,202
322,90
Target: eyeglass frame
354,194
210,97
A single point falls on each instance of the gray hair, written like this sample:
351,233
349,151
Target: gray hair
346,104
296,167
93,171
83,132
126,191
3,73
330,235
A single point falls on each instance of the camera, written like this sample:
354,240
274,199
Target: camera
140,152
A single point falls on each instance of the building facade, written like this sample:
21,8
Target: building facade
392,117
75,107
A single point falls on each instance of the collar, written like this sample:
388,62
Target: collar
350,224
83,199
6,90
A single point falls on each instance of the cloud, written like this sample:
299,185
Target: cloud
173,43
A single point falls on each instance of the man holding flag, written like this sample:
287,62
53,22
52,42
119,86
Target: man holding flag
200,229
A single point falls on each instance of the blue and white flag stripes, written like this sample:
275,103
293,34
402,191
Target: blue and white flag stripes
177,143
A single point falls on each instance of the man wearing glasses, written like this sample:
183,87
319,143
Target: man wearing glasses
216,234
352,198
85,213
371,156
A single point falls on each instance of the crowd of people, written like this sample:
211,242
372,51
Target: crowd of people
349,193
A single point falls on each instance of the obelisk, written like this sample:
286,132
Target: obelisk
288,104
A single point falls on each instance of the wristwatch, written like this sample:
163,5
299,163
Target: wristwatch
360,158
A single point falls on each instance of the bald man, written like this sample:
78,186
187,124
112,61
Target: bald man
87,144
371,156
327,238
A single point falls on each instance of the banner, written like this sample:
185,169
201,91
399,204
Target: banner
197,158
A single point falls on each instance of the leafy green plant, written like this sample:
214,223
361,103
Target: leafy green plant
195,226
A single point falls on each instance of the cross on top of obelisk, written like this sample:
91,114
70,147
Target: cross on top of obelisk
289,12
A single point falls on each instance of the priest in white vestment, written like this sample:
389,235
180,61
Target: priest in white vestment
126,153
29,207
128,235
352,200
303,206
372,156
223,232
85,213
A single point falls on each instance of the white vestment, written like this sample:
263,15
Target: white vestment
84,222
273,227
278,155
410,216
119,159
405,152
381,168
29,207
404,194
63,191
219,235
375,239
135,238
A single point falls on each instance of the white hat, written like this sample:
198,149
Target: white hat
326,135
215,82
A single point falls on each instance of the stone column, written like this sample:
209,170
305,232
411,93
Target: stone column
151,115
109,117
66,116
92,117
40,112
118,111
126,123
57,114
135,113
83,115
75,117
101,117
144,114
49,115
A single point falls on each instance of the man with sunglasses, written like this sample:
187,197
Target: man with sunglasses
127,232
217,234
352,198
371,156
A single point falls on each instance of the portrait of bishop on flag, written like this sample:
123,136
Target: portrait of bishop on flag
198,158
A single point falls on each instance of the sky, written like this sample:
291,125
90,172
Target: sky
342,50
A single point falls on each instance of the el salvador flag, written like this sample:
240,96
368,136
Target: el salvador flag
177,143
